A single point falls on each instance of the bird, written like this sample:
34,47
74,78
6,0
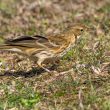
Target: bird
39,48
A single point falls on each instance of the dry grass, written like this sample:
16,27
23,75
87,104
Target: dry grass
86,86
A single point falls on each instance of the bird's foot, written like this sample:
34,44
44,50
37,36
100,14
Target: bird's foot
49,71
46,69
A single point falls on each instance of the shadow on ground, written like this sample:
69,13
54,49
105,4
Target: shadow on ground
34,71
31,73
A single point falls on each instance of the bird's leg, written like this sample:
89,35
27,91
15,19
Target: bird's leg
47,70
55,63
39,62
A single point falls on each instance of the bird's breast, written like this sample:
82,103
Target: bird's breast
63,49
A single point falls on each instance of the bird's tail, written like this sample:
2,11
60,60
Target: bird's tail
7,47
3,44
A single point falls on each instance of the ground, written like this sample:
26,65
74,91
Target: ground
86,86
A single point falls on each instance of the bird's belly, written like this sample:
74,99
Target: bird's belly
44,54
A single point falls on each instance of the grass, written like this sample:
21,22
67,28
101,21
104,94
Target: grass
18,94
87,87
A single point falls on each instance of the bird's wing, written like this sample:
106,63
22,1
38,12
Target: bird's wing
31,41
27,41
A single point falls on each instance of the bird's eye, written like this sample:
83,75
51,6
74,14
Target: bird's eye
81,30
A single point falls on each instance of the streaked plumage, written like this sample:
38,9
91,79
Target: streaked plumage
40,48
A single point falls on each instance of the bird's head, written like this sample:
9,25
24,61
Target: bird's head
78,30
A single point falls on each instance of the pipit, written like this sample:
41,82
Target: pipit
39,48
